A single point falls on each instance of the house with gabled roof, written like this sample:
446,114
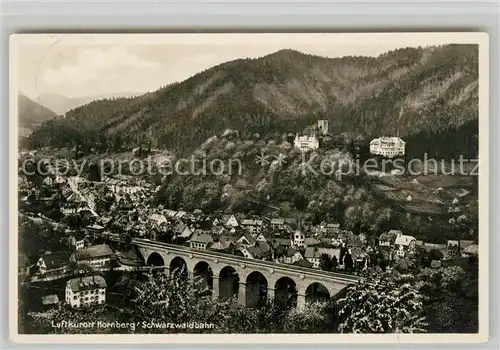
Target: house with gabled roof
69,208
53,264
180,214
50,300
470,251
215,221
66,191
286,242
86,291
452,248
304,263
182,230
222,245
277,223
200,241
261,237
261,250
219,230
115,185
60,180
288,255
407,242
159,219
94,230
74,197
332,228
246,240
48,181
126,207
230,221
96,256
77,239
204,224
313,254
252,225
169,213
387,239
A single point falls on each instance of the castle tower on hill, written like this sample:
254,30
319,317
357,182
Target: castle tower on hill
323,126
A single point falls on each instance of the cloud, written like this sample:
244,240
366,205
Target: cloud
95,63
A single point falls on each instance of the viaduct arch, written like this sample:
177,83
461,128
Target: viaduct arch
252,282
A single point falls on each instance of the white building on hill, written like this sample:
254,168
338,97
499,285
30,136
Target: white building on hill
86,291
306,143
388,146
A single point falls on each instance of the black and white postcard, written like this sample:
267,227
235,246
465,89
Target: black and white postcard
283,188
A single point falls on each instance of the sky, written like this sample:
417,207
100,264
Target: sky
88,65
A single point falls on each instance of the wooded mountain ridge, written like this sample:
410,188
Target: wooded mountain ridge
426,95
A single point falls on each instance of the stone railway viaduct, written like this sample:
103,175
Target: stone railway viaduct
252,281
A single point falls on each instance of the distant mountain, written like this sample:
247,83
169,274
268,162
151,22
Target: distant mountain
31,114
62,104
418,93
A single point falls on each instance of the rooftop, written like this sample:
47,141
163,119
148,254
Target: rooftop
201,238
388,139
277,221
303,263
56,259
86,283
252,222
50,299
404,240
95,251
260,250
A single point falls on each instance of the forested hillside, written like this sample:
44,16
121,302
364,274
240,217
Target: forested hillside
31,114
417,93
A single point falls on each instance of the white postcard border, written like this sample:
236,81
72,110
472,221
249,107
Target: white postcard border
482,336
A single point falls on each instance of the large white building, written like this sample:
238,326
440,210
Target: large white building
306,143
85,291
388,146
96,256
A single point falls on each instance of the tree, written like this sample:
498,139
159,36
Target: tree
435,254
335,263
325,262
170,299
125,242
55,214
94,173
378,259
404,265
37,237
174,299
451,299
74,221
382,303
348,262
425,258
